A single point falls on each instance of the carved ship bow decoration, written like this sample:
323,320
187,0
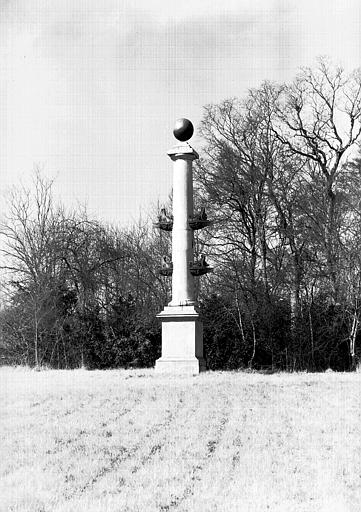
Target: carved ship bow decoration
200,220
165,221
196,222
166,268
200,267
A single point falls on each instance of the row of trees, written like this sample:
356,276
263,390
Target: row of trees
77,292
280,174
282,177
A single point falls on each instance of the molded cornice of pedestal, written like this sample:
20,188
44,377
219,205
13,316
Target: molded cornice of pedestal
179,311
183,150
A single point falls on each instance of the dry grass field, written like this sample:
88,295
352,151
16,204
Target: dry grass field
112,441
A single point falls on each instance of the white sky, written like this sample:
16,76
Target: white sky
90,89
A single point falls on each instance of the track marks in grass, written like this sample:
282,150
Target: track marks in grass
61,442
244,455
114,461
161,427
72,441
198,468
146,458
125,454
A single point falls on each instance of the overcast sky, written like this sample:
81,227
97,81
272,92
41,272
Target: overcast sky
90,90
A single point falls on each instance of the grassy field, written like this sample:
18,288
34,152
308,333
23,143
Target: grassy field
135,441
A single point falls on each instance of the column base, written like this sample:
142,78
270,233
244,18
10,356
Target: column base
182,341
180,366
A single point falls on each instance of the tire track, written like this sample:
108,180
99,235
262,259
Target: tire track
197,469
126,454
61,443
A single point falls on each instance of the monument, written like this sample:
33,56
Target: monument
182,331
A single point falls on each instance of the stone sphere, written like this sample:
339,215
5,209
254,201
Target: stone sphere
183,129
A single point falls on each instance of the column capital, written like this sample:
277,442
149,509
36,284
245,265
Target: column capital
184,151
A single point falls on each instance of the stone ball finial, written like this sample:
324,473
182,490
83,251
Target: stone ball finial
183,129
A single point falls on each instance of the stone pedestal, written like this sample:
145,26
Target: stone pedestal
182,341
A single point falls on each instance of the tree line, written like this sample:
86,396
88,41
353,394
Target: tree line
280,175
78,292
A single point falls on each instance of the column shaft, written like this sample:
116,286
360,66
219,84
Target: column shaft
182,236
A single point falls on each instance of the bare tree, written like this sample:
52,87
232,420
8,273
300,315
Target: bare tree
31,234
319,118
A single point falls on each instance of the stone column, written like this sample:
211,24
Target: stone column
182,235
182,331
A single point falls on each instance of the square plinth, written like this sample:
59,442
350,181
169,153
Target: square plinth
182,341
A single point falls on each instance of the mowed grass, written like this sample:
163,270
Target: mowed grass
136,441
